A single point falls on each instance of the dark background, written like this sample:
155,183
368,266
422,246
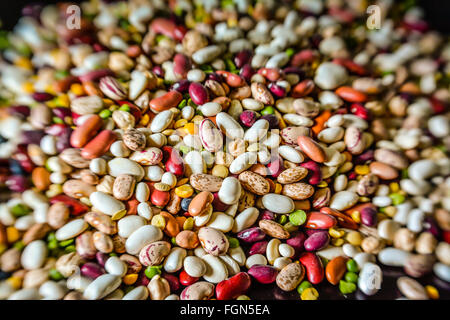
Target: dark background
437,12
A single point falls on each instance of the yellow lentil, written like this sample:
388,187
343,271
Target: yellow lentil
184,191
180,123
119,214
168,132
356,216
394,187
129,279
337,242
182,181
278,188
12,234
188,224
322,184
390,211
336,233
77,89
309,294
161,186
219,170
432,292
364,199
15,282
158,221
189,128
354,238
28,87
144,120
362,169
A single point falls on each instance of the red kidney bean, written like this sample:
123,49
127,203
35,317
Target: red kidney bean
366,156
342,220
76,207
82,134
233,287
369,216
42,96
258,248
187,280
164,26
219,205
233,80
17,183
315,175
95,75
19,111
174,161
310,232
181,86
247,72
317,220
173,281
214,76
198,93
251,234
32,136
263,274
270,74
431,226
351,95
303,88
181,64
351,66
99,145
302,57
313,266
242,57
317,241
61,112
297,241
168,100
91,270
437,105
446,236
63,141
101,258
